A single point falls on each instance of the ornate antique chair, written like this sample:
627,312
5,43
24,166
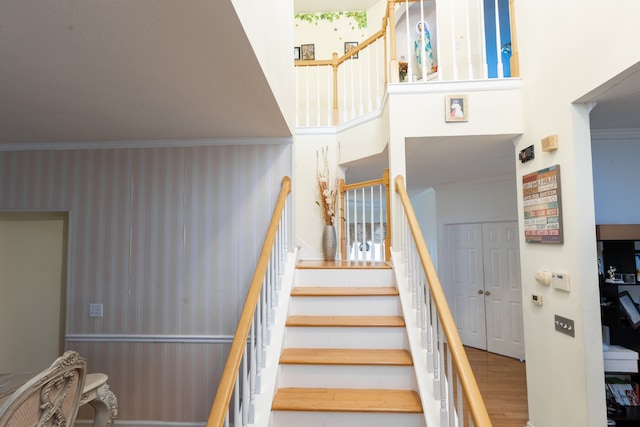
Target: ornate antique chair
51,398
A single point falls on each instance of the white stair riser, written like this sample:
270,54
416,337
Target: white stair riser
344,277
347,376
346,306
344,419
343,337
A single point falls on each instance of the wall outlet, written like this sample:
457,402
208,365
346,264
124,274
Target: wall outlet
95,310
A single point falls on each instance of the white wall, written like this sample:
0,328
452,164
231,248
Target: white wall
479,201
424,206
616,178
309,222
329,37
268,26
594,43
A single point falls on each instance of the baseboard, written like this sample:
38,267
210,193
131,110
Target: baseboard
529,424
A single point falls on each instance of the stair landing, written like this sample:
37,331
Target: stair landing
317,264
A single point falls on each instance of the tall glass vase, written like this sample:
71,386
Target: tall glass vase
329,243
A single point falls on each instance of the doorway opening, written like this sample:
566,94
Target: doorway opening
33,261
483,280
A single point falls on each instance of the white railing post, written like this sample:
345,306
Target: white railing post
469,54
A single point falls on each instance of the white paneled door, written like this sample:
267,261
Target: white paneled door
483,276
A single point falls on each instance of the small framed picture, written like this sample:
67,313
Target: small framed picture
629,308
296,53
456,108
350,45
308,52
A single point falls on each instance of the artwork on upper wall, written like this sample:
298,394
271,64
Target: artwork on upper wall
542,214
456,108
350,45
308,52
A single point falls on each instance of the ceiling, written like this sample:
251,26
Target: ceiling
105,70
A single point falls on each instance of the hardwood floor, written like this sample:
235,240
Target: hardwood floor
503,384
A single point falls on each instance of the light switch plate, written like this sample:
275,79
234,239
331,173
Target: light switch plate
95,310
565,326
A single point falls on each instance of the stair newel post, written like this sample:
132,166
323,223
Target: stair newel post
343,228
334,66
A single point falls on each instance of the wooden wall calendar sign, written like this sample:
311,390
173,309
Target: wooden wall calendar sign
542,213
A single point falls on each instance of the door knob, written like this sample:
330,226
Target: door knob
480,292
487,292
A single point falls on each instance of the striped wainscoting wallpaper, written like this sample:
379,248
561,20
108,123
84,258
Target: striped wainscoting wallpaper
167,239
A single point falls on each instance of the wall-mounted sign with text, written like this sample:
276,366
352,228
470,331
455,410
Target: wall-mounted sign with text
542,216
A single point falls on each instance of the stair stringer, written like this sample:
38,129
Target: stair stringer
269,372
425,379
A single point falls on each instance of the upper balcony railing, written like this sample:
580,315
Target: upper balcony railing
419,41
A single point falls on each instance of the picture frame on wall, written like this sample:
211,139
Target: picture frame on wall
629,308
308,52
350,45
456,108
296,53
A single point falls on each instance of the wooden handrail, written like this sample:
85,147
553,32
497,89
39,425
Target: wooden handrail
465,374
225,387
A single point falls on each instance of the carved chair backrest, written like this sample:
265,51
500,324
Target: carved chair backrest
51,398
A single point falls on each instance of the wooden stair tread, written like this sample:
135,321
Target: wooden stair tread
346,356
345,321
343,291
314,264
346,400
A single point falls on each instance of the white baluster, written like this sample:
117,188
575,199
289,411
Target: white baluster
454,41
483,35
498,42
469,63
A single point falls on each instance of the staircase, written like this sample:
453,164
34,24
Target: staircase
345,359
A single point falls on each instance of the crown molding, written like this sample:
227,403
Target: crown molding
615,134
160,143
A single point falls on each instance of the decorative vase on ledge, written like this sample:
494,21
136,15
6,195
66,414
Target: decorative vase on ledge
329,243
